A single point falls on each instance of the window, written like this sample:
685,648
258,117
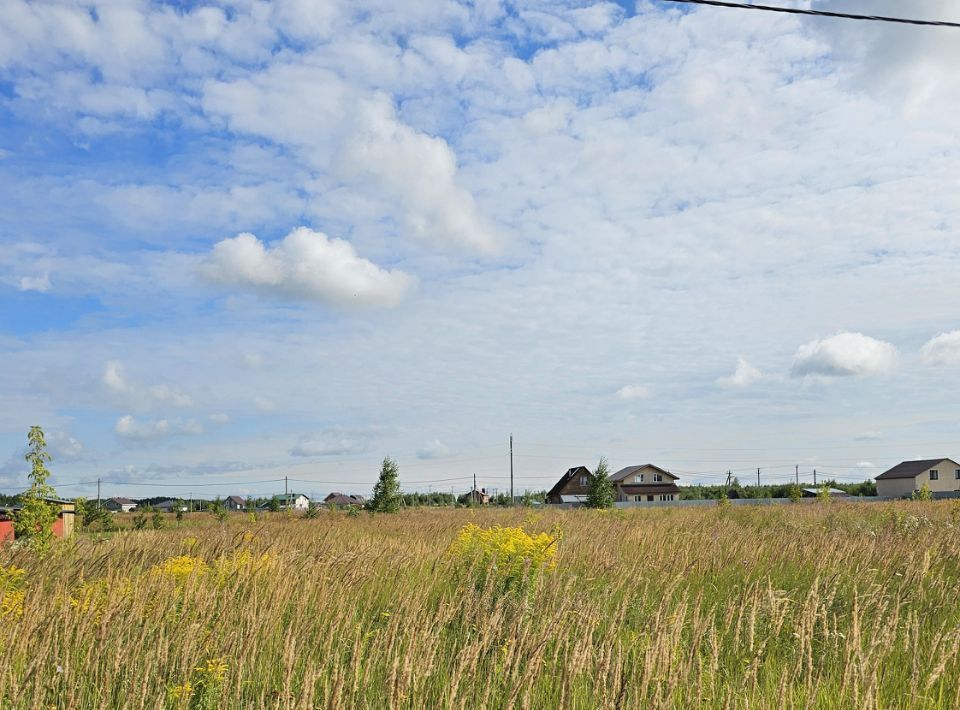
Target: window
958,473
666,496
934,475
583,480
638,478
638,499
650,499
657,477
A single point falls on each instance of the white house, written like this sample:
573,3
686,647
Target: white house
119,505
940,476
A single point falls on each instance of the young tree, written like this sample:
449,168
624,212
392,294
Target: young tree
386,494
600,490
35,520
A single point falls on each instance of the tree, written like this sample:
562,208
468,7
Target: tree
600,490
796,495
274,505
35,520
386,493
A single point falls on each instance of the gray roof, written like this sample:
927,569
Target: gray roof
831,491
910,469
630,470
123,501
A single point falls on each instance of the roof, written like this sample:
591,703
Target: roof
123,501
645,488
343,499
832,491
630,470
910,469
235,499
571,473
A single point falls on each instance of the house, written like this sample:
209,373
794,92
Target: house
344,500
170,506
290,501
234,503
940,475
119,505
475,497
572,486
814,492
645,484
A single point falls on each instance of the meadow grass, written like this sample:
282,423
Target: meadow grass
815,606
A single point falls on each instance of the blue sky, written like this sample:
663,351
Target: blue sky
248,240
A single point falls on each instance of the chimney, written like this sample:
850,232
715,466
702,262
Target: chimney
484,491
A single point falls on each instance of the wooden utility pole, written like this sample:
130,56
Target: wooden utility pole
814,478
758,478
797,470
98,494
286,490
511,469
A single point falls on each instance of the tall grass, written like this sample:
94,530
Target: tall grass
818,606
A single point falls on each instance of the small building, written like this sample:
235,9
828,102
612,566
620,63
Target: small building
942,476
170,505
6,525
645,483
290,501
344,500
119,505
572,487
234,503
475,497
815,492
63,526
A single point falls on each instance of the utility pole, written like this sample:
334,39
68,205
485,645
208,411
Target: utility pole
511,469
814,478
797,470
191,501
98,494
758,478
728,477
474,481
286,491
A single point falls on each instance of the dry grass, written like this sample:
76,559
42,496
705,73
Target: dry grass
819,606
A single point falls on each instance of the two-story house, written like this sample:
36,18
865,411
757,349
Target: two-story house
634,484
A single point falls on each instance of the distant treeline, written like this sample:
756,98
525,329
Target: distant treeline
782,490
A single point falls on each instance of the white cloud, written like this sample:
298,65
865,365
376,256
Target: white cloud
115,381
417,171
334,442
434,449
870,435
744,376
39,283
305,265
633,392
130,429
219,418
844,354
943,349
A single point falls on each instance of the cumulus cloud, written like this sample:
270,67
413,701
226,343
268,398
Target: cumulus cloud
40,283
131,429
744,376
116,382
943,349
417,171
435,449
305,265
844,355
633,392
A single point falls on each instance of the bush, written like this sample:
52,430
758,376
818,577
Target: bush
508,557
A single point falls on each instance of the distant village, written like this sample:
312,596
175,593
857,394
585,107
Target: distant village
638,485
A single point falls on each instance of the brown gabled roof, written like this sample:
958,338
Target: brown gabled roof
910,469
236,500
123,501
571,473
646,488
630,470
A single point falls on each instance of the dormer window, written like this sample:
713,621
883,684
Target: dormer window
657,477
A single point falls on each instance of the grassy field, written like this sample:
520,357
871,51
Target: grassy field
819,606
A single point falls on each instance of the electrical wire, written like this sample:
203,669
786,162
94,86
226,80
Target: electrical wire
819,13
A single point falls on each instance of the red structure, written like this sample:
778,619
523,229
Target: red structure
6,527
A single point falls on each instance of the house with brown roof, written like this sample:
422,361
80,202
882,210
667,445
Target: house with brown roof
234,503
645,483
634,484
572,486
940,475
344,500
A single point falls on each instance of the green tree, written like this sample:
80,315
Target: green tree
600,490
35,520
823,494
274,505
386,493
923,494
795,493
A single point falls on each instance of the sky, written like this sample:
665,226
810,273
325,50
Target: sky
243,241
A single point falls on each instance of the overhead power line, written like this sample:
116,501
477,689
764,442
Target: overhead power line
819,13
